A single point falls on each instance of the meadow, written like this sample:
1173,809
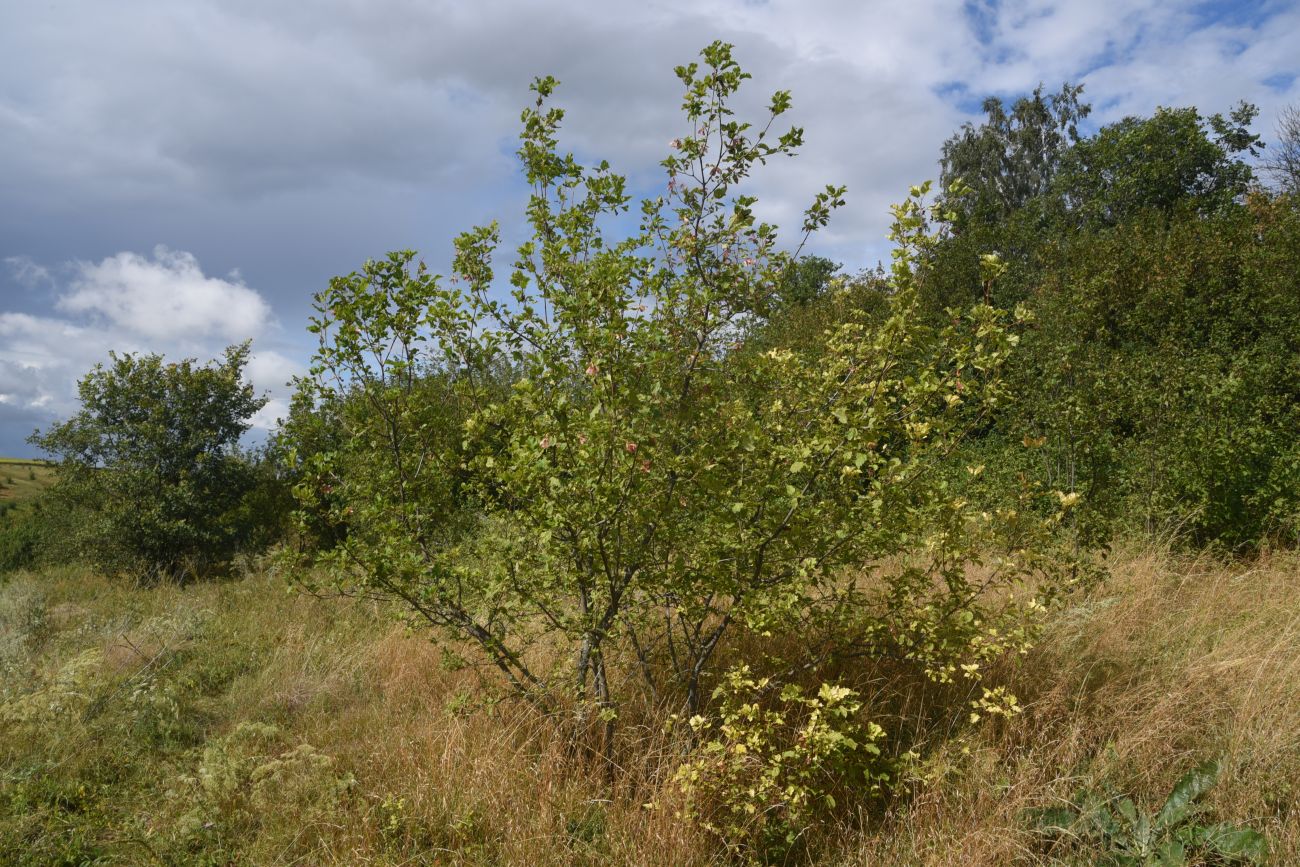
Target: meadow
694,550
240,722
23,479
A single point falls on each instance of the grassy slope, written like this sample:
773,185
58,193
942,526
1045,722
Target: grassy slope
239,723
21,484
16,482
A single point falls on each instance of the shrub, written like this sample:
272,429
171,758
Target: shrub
23,536
1158,373
772,759
1162,374
148,474
249,779
647,482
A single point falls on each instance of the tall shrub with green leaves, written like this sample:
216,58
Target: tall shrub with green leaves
1171,160
648,484
1156,378
1164,372
150,483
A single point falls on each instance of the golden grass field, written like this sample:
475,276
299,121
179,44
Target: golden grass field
241,722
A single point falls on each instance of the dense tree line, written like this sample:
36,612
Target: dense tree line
1159,369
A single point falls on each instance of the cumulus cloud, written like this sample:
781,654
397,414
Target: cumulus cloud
404,114
130,303
166,296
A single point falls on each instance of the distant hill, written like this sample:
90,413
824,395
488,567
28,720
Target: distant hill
21,479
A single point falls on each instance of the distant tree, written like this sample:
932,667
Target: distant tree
805,281
1012,157
1175,158
1283,160
150,464
1008,196
997,181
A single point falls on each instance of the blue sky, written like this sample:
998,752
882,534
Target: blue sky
179,175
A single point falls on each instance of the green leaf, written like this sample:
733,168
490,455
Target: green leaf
1055,820
1171,853
1181,801
1230,841
1128,810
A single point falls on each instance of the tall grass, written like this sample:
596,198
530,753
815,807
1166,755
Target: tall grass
1172,661
242,723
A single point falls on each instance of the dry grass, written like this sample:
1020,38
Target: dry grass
414,761
1171,662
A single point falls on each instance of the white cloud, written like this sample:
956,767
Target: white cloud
166,296
128,303
268,417
1215,67
272,369
356,101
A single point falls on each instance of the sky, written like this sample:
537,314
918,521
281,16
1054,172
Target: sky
180,175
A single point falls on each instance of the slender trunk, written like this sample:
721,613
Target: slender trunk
693,700
585,647
604,747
